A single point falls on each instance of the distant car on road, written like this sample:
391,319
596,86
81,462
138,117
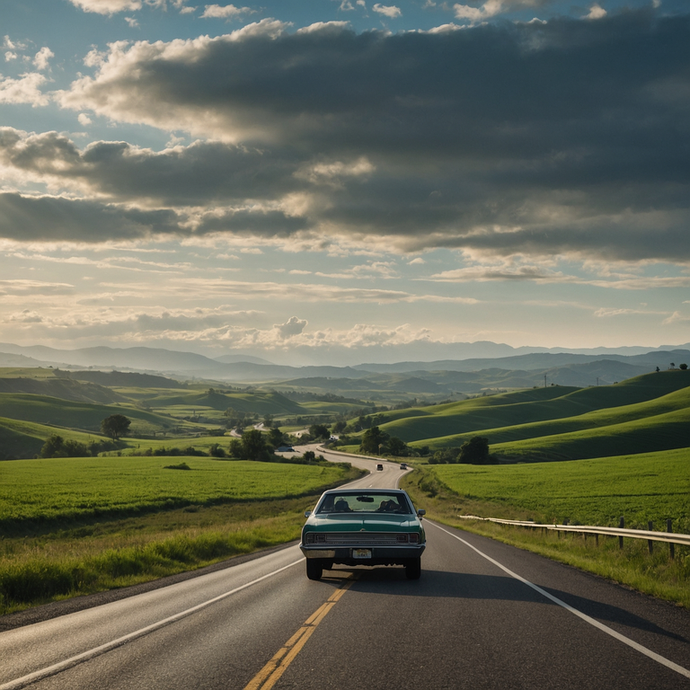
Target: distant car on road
403,466
364,527
379,467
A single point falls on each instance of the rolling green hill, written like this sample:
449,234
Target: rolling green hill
22,439
56,387
73,415
643,414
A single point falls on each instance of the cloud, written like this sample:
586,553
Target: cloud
293,326
608,312
33,288
225,11
556,139
476,14
26,316
390,11
111,7
48,218
107,6
42,58
596,12
26,89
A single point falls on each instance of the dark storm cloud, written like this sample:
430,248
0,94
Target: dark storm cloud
570,136
31,219
198,174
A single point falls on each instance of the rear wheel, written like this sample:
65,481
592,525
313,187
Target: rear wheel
413,568
314,568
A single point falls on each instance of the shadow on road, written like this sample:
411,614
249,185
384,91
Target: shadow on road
436,583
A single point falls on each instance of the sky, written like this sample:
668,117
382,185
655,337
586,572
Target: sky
342,181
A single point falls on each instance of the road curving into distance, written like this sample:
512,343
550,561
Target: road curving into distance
483,615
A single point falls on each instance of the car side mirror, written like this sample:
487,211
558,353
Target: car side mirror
421,512
307,513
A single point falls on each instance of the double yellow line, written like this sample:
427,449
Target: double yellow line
268,676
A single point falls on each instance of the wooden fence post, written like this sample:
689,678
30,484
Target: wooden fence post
669,529
621,524
650,543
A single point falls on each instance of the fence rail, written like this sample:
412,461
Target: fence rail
620,532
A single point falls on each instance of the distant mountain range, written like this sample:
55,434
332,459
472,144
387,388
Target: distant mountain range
425,378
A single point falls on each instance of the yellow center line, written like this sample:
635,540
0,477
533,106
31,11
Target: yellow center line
268,676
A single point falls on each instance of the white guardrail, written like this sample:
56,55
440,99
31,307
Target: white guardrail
620,532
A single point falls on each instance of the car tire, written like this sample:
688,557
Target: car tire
314,569
413,569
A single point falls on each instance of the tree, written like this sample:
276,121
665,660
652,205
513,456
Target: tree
215,451
254,445
275,437
235,448
54,447
683,366
398,447
372,439
317,431
268,420
475,451
57,447
115,426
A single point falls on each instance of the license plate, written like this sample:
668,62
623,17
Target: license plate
361,553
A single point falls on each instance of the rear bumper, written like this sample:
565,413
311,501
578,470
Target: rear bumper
380,555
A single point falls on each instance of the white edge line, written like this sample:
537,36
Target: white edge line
96,651
588,619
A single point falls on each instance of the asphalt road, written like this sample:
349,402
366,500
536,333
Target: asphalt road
483,615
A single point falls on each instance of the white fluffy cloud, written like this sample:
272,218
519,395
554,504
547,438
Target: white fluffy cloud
107,6
25,89
42,58
390,11
224,11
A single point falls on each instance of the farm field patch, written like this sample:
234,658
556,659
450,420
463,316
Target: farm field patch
67,489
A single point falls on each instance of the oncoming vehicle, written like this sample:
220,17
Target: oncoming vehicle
363,527
379,467
403,466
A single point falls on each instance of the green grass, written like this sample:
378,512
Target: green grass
678,401
109,554
643,414
75,526
77,415
640,487
68,489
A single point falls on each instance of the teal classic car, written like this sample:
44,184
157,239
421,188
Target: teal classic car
363,527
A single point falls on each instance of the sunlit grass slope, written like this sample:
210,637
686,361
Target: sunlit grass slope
73,415
650,410
654,414
258,401
641,487
19,438
75,526
69,489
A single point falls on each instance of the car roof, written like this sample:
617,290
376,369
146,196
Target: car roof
364,491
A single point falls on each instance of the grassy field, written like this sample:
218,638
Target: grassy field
643,414
641,487
82,488
74,526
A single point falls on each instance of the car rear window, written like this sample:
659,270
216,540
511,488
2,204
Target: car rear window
370,502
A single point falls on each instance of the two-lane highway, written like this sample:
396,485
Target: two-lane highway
483,615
